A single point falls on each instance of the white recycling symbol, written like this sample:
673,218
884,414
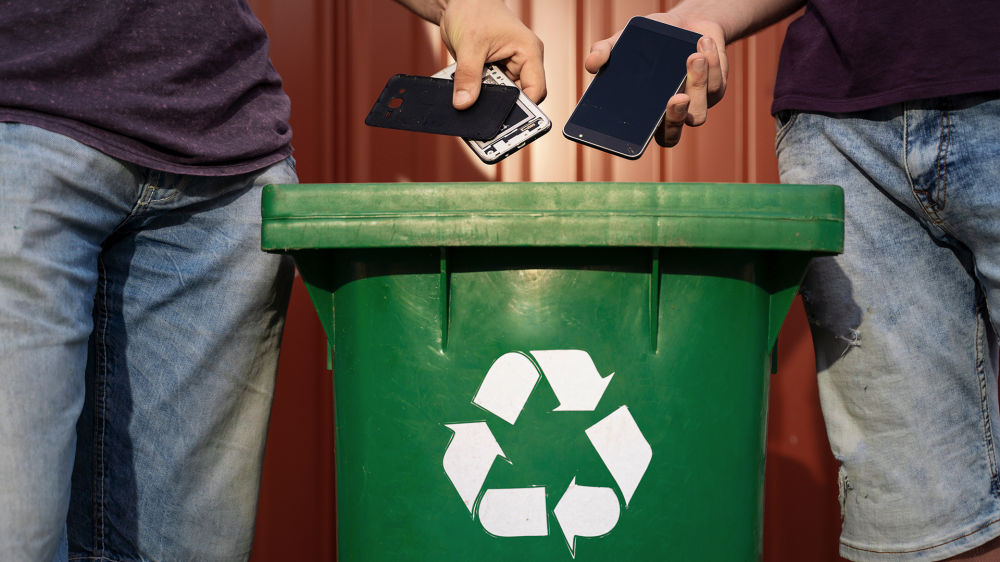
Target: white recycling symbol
583,511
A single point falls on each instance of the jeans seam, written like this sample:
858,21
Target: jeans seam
154,185
143,198
942,157
100,384
984,401
783,132
994,522
935,202
150,189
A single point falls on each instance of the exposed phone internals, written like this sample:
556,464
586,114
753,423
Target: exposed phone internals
524,123
621,108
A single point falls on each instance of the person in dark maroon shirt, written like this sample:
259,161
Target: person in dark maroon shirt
898,103
139,319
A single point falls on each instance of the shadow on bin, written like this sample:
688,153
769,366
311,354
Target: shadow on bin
551,371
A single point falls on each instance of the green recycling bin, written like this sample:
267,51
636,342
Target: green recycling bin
551,371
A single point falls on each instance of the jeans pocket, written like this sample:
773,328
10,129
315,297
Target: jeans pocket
783,122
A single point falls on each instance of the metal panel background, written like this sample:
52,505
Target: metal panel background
335,56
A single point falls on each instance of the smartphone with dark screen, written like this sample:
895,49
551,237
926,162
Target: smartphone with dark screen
620,110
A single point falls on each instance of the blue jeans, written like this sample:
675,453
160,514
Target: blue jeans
139,333
906,344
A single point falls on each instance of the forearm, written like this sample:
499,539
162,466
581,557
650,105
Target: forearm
430,10
738,18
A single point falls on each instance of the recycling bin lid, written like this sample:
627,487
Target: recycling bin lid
695,215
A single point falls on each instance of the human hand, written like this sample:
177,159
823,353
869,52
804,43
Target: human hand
705,85
477,32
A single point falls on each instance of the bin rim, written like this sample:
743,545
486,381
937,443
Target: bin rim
695,215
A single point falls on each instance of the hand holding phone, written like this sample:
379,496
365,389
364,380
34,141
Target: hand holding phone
523,124
478,31
622,107
707,72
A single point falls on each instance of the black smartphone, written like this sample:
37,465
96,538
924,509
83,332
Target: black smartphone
620,110
423,104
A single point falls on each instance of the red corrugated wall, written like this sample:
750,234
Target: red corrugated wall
335,57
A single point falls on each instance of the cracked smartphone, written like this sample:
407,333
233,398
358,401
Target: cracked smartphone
620,110
524,123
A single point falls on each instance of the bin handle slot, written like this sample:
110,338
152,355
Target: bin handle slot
445,299
654,300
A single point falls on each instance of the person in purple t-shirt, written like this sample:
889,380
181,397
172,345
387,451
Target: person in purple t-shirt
139,319
898,103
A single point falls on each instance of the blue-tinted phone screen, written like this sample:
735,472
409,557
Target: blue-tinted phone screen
630,93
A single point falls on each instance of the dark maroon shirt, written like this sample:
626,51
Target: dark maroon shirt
852,55
181,86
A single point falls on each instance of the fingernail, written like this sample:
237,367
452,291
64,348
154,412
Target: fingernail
681,109
706,44
462,96
699,65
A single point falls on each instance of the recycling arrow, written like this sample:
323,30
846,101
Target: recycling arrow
573,377
622,448
582,511
586,511
469,458
507,386
515,512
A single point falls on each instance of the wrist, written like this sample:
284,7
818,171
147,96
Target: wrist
437,8
430,10
736,19
695,17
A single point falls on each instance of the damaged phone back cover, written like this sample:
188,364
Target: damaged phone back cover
421,104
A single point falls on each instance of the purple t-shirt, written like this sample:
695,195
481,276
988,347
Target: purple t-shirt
181,86
852,55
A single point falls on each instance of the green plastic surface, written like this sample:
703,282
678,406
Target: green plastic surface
773,217
687,329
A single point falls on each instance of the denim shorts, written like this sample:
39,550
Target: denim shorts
139,332
906,343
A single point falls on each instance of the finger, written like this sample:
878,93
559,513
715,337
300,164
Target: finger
669,132
468,77
696,87
599,53
716,76
531,79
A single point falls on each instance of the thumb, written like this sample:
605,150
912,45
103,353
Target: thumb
468,78
599,54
